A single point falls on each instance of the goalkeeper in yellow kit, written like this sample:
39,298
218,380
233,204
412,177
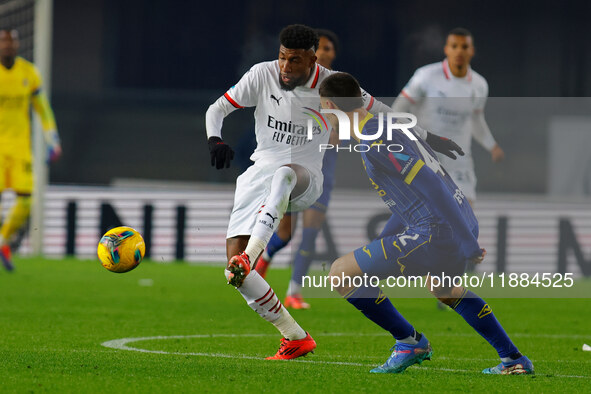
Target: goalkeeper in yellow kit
20,87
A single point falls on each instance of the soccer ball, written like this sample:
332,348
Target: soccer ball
121,249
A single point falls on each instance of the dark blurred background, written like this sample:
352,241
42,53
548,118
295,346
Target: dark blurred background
132,79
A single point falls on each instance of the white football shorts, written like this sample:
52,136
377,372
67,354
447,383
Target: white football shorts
252,189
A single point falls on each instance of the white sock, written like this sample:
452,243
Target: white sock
408,340
284,180
261,297
294,288
288,327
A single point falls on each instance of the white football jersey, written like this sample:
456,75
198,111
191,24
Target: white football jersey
446,104
450,107
281,116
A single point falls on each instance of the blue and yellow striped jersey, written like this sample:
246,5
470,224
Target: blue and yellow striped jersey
417,203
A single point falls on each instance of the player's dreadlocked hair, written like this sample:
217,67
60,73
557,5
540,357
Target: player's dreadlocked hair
343,90
332,37
298,37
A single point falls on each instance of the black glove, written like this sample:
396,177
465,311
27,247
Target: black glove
221,153
443,145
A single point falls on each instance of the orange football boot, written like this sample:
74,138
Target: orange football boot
239,267
294,349
261,266
296,302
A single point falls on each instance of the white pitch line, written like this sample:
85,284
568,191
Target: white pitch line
371,334
121,344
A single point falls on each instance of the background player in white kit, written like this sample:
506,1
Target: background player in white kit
449,98
286,169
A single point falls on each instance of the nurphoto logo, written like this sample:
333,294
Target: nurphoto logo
392,123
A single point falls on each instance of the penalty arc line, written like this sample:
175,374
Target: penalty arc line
121,344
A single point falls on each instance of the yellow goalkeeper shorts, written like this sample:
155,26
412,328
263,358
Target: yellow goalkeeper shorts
16,174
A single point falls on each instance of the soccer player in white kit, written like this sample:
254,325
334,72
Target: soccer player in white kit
449,98
286,169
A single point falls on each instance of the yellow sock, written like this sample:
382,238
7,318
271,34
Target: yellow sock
16,218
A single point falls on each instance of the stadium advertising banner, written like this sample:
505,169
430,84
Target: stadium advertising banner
520,235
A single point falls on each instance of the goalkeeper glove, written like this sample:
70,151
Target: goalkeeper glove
443,145
221,153
54,147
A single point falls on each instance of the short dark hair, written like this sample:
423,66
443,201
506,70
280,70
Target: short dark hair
344,90
332,37
298,37
460,31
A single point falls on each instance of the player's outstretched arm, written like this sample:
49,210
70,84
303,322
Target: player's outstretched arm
410,99
244,94
221,154
438,144
402,104
214,117
376,106
52,139
411,95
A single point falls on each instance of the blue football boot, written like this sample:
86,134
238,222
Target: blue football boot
405,355
521,366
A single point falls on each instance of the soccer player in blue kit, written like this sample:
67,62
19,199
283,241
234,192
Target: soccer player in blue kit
433,231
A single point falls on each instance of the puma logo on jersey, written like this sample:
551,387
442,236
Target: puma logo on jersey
271,216
367,251
276,99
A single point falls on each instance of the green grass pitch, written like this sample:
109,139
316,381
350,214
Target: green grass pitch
55,314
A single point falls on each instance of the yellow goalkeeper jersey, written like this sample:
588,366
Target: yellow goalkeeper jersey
18,85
